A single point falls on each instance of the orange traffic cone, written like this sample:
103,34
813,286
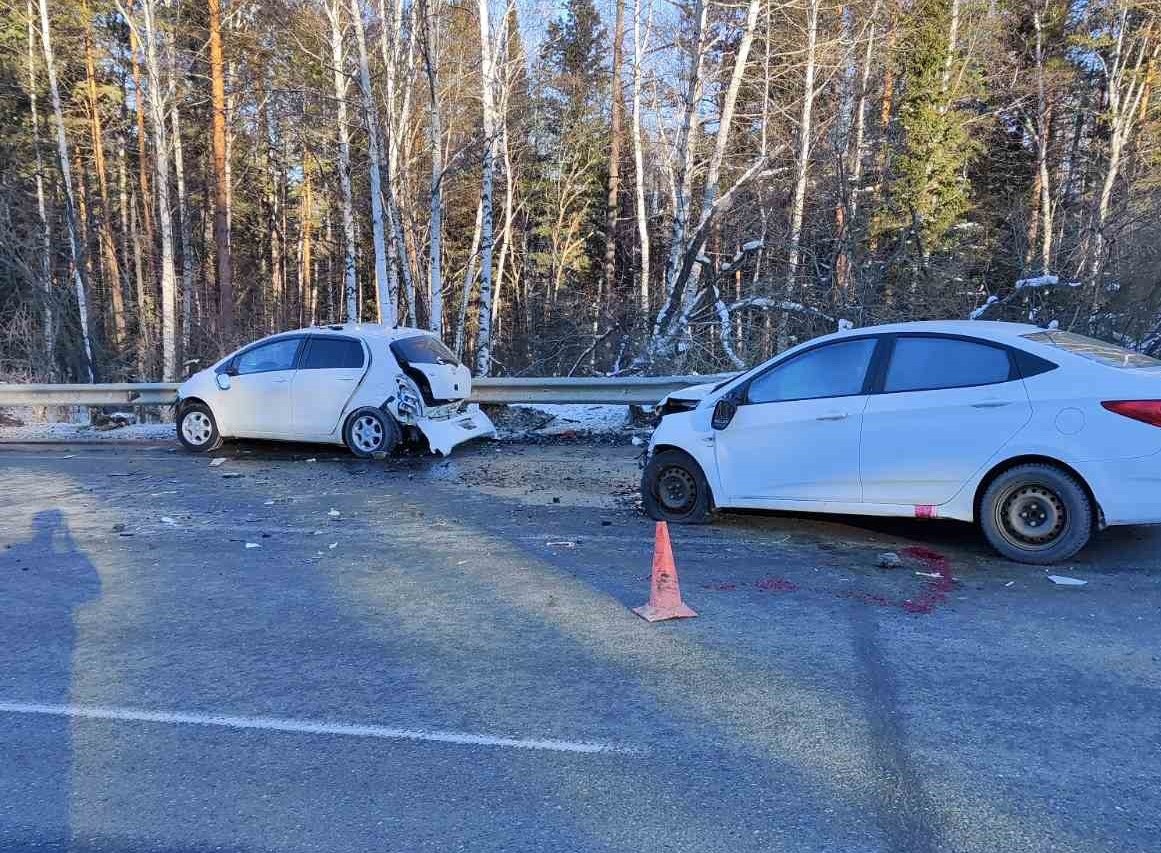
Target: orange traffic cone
664,593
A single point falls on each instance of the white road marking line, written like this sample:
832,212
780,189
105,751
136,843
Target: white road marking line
312,727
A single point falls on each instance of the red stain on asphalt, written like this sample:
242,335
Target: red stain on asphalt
773,584
935,592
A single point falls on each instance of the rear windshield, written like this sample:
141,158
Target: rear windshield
1091,348
422,349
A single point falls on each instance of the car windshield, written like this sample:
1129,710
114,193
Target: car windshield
1094,350
423,349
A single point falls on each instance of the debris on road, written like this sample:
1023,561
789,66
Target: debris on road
334,513
250,545
561,544
333,545
889,560
231,475
118,527
214,463
1065,580
165,519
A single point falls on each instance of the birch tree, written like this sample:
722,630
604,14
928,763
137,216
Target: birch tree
149,36
488,101
44,271
76,248
339,76
386,284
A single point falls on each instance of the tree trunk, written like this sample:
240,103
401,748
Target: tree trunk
386,285
350,284
184,226
145,193
221,196
161,175
1043,134
487,83
802,166
431,36
47,333
640,37
76,249
469,279
612,202
110,265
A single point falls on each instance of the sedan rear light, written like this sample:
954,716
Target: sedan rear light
1145,411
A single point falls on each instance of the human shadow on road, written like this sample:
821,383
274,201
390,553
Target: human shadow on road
42,583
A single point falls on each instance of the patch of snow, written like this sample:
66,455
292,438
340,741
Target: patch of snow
1038,281
752,246
580,417
845,325
68,433
1055,324
979,312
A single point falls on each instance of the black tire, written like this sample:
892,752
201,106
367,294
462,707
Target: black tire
1036,513
674,489
369,431
197,429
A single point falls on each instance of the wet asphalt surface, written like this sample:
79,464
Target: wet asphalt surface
818,702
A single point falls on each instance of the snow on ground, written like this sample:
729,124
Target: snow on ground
579,417
545,419
58,432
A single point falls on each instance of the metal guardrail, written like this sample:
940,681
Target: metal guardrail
627,390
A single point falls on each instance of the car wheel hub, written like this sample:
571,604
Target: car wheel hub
1032,516
676,489
367,433
196,428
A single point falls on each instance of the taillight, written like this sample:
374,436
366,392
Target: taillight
1145,411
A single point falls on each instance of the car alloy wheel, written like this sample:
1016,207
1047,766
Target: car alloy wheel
1031,516
197,428
367,433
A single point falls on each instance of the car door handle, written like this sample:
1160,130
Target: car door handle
835,417
991,404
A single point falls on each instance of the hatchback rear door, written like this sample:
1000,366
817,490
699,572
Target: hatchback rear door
946,405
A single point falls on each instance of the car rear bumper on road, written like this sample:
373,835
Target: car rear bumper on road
1128,490
445,433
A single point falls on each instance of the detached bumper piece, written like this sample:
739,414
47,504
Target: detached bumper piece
445,433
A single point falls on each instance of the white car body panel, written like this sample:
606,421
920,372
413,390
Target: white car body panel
312,405
926,453
798,450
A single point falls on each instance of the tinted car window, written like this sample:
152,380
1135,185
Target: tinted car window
276,355
1098,351
833,370
924,364
423,349
330,353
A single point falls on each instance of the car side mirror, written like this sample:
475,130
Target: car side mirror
724,412
223,380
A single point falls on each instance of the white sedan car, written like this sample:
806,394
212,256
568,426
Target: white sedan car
1040,436
360,385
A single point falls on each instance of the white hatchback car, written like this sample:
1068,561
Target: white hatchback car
1040,436
360,385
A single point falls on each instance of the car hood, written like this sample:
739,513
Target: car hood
694,393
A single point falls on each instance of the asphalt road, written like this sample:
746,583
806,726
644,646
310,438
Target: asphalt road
438,655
